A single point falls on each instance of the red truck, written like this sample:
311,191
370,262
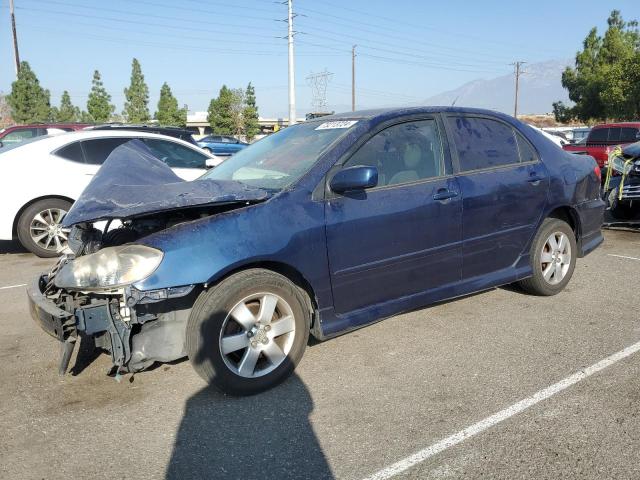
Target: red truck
603,138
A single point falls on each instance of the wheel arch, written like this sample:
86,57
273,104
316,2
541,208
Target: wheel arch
14,227
570,215
287,271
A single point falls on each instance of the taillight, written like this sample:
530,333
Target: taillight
598,173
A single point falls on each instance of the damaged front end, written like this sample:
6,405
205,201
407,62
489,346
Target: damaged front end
622,182
137,328
90,293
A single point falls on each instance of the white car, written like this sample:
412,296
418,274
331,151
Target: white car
42,177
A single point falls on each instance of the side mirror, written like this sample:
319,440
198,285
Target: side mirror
359,177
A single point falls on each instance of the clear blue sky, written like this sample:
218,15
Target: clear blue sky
408,50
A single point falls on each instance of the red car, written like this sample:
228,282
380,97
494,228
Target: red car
602,139
19,133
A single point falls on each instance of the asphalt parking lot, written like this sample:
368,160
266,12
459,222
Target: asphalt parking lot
359,403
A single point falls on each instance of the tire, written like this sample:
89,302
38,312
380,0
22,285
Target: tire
555,280
212,323
208,150
41,218
619,210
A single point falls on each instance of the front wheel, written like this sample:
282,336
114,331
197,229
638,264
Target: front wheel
248,333
553,258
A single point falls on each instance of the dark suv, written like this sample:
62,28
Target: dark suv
174,132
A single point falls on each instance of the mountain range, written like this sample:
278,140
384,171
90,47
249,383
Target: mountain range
540,86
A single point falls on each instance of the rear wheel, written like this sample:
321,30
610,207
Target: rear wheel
248,333
553,258
207,149
39,227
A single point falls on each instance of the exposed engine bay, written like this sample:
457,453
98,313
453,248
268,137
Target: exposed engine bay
132,196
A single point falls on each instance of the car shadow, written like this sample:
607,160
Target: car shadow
11,246
265,436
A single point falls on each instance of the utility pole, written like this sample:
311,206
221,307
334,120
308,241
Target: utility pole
292,79
353,78
15,37
517,66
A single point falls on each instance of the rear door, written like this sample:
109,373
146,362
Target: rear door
404,236
504,190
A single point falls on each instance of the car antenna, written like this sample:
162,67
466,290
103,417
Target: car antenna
453,104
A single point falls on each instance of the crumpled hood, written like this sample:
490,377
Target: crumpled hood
132,182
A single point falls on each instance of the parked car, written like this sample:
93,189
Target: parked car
603,138
20,133
221,144
623,190
553,136
579,134
42,177
181,133
321,228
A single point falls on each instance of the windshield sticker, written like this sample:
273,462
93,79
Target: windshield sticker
336,124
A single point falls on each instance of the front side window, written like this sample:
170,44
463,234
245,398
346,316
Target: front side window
629,135
614,134
403,153
483,143
174,154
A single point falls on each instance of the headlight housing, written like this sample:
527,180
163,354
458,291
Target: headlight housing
110,267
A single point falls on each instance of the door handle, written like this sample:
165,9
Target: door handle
534,179
444,194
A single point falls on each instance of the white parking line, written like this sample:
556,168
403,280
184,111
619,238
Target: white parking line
502,415
623,256
13,286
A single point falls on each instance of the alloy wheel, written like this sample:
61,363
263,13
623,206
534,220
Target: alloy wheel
257,335
556,258
45,229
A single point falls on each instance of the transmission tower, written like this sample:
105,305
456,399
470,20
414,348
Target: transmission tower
318,83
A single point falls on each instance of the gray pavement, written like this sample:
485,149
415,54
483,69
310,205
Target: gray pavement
357,403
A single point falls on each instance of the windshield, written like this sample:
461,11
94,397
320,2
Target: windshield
282,158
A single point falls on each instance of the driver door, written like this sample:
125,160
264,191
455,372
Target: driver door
402,237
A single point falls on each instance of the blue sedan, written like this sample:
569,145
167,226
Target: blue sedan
321,228
221,145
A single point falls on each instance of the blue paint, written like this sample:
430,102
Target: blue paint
374,253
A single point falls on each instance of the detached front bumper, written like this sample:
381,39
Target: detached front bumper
58,323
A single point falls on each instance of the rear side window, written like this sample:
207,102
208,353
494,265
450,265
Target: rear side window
527,153
174,154
483,143
629,135
19,135
96,151
72,152
614,134
599,135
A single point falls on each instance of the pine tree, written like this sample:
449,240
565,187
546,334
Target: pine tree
220,115
67,111
168,113
605,83
99,109
136,107
5,112
250,113
29,102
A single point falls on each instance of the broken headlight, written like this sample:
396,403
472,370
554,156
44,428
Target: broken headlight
109,268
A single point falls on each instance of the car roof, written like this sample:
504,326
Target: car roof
617,124
381,114
53,142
